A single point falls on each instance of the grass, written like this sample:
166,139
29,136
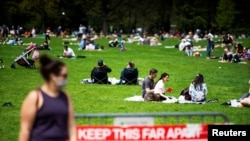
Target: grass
227,83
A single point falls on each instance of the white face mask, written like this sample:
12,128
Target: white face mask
63,83
60,83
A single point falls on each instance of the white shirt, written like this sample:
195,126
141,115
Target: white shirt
198,94
69,52
211,36
81,29
159,87
181,45
187,43
90,47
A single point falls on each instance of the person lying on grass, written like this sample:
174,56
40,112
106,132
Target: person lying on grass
198,89
245,102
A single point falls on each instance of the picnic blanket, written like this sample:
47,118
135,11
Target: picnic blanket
180,100
113,80
139,98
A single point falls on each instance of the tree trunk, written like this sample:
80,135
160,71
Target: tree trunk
104,26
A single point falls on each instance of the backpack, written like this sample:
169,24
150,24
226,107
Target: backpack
185,93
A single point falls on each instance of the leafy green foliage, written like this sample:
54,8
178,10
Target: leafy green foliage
225,15
225,83
152,16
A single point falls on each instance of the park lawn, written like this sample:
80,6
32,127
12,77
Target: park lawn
225,83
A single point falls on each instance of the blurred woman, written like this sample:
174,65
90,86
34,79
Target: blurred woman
47,112
198,89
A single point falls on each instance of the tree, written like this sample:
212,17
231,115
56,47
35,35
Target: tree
225,15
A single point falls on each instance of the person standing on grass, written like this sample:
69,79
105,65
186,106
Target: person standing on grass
148,84
209,46
198,89
47,112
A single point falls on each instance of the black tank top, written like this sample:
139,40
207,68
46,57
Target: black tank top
51,121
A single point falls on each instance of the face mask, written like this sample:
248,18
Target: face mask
63,83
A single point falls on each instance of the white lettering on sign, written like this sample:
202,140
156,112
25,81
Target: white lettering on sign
126,134
191,131
165,132
153,133
93,134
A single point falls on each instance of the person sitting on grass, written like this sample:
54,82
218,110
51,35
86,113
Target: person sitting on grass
82,44
68,52
198,89
159,89
239,49
45,46
129,74
99,74
227,56
148,85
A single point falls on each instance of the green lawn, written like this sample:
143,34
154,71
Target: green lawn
227,83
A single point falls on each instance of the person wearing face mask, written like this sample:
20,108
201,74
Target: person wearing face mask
47,112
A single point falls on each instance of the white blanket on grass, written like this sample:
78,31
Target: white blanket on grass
180,100
113,80
139,98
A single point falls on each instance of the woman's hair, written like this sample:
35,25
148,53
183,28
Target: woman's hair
131,64
198,81
163,75
50,66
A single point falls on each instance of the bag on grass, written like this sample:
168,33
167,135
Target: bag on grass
185,93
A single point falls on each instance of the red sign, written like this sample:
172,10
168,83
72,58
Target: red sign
186,132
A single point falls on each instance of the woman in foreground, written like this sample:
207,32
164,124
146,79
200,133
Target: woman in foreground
47,112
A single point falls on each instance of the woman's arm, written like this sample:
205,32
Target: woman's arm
191,90
205,89
28,113
71,122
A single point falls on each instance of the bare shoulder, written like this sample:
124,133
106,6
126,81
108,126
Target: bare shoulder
32,95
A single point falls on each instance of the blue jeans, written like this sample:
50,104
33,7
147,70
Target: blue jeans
189,52
208,51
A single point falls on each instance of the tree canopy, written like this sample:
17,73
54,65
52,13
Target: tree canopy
150,15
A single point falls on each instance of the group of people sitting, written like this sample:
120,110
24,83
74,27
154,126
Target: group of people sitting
87,43
152,91
99,74
235,57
